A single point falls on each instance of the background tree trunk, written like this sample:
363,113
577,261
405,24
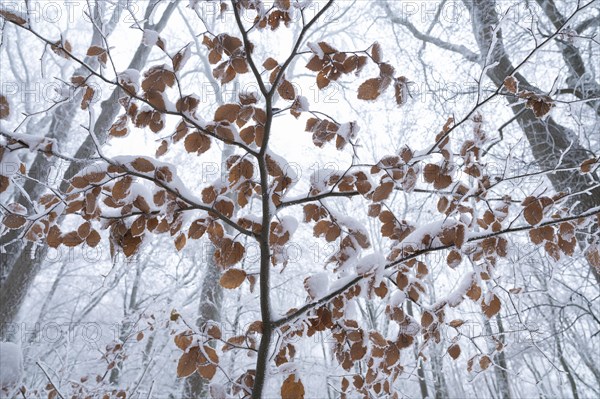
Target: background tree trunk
25,260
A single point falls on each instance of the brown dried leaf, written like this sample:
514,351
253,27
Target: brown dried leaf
370,89
586,166
232,278
230,252
315,64
4,107
162,149
180,241
426,319
454,351
181,58
95,51
270,64
197,142
120,189
248,98
197,229
376,52
93,239
533,212
383,191
227,112
157,79
87,97
286,90
13,221
187,363
456,323
12,17
511,84
292,389
485,362
593,257
454,258
184,340
492,308
142,165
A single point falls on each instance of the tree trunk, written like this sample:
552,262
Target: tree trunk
418,359
553,146
24,263
502,381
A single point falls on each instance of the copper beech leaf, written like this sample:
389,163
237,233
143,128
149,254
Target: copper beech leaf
383,191
15,18
292,388
492,308
197,142
142,165
370,89
454,351
232,278
511,84
4,107
187,363
229,253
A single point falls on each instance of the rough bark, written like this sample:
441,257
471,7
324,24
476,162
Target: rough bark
209,307
553,146
26,260
60,130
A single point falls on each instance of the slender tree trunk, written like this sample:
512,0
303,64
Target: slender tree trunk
502,381
209,309
559,351
211,292
419,360
437,368
125,328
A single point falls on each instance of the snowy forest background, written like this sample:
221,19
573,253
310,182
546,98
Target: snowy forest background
91,321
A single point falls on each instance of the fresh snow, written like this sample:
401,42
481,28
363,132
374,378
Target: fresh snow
150,37
371,263
432,229
11,366
316,49
289,223
33,142
348,130
130,76
318,284
304,105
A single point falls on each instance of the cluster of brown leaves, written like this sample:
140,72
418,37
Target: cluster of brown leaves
395,170
156,80
201,354
380,358
285,88
556,239
233,49
540,104
323,131
197,357
281,12
372,88
351,239
333,64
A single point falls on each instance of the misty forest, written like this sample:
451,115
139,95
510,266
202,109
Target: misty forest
299,199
